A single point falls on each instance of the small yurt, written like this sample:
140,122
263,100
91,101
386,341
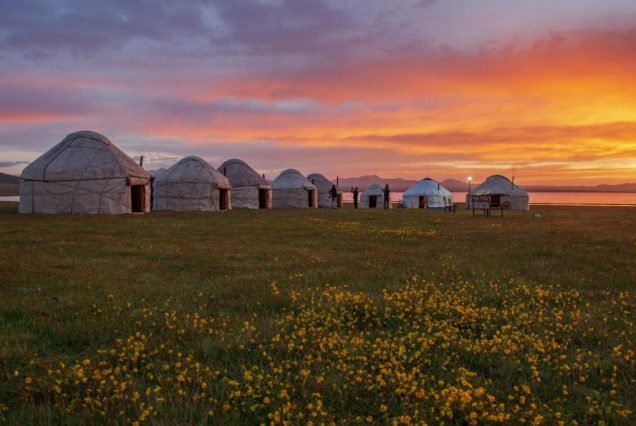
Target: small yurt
427,194
323,186
373,197
501,193
192,184
85,173
292,190
249,189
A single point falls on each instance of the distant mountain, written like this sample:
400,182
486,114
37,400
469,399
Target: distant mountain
9,179
455,185
9,185
623,187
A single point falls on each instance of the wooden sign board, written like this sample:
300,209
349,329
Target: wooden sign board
481,201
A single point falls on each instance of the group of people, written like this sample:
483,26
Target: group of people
387,196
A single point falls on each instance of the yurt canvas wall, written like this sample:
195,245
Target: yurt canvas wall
502,192
84,173
192,184
427,194
292,190
323,186
373,198
250,190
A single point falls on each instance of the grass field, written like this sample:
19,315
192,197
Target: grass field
319,316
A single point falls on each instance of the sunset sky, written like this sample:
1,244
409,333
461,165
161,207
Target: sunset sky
544,90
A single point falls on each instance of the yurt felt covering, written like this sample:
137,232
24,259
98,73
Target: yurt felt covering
192,184
510,195
434,194
292,190
84,173
250,190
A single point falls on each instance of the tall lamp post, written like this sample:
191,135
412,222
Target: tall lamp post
468,200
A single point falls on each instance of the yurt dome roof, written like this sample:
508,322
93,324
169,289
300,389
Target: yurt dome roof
193,169
374,189
498,184
240,174
321,182
83,155
427,186
292,179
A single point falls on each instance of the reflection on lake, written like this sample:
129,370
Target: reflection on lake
574,198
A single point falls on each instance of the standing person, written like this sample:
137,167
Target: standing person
355,197
333,195
387,197
152,194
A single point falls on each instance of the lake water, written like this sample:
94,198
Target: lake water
567,198
558,198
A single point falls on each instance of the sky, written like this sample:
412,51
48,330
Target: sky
543,90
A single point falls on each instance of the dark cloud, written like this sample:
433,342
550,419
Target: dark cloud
285,26
40,27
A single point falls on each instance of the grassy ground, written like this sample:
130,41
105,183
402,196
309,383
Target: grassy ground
323,316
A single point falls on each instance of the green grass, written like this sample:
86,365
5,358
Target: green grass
431,299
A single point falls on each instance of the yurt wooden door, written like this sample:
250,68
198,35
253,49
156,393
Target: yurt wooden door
373,201
138,198
423,202
263,198
224,199
310,195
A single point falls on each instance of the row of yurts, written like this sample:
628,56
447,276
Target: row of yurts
87,173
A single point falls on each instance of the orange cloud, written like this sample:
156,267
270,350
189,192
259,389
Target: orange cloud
561,110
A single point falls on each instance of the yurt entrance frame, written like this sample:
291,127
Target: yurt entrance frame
310,195
223,199
423,202
263,198
373,201
138,198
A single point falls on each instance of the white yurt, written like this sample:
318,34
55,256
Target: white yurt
373,197
192,184
85,173
291,189
323,186
502,193
249,189
427,194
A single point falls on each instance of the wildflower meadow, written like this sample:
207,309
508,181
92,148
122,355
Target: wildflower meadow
322,317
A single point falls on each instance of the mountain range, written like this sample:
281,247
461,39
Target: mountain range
9,179
9,185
